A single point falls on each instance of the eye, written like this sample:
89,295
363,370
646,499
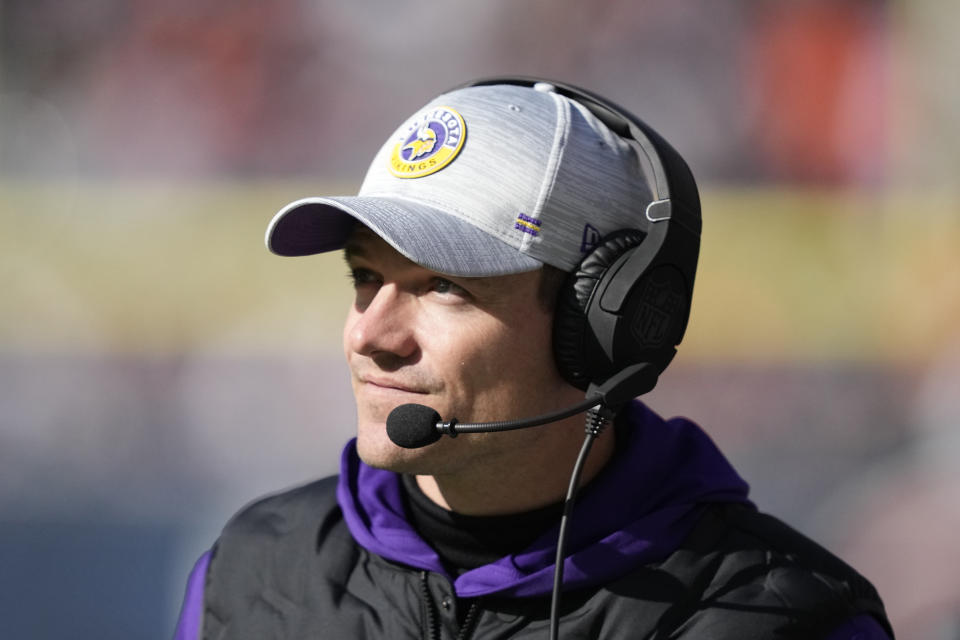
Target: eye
363,277
446,287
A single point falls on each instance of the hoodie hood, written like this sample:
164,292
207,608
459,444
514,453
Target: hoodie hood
636,511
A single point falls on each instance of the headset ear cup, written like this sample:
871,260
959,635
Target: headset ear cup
571,337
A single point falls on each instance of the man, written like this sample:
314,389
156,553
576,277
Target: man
459,245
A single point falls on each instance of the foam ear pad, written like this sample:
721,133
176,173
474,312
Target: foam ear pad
571,337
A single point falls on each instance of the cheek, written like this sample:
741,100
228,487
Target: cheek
354,321
516,361
533,364
344,335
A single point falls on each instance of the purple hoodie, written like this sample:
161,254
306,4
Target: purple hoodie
636,511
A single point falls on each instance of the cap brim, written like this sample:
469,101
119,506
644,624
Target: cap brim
424,234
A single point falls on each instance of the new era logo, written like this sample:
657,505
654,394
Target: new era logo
590,239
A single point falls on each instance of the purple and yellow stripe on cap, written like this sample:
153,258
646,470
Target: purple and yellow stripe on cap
527,224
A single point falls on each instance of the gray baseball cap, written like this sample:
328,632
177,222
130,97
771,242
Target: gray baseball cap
485,180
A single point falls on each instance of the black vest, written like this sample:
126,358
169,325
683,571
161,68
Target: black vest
287,567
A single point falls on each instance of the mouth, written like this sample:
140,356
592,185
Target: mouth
385,385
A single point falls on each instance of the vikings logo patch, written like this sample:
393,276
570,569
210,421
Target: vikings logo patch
429,143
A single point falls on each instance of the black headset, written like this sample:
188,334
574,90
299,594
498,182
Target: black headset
628,301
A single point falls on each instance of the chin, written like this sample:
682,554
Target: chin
378,451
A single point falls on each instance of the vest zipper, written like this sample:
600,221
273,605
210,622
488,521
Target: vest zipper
429,612
466,629
428,609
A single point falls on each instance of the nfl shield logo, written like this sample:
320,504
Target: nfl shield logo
661,304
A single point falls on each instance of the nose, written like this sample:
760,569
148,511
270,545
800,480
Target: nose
383,327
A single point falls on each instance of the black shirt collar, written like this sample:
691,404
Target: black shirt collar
467,542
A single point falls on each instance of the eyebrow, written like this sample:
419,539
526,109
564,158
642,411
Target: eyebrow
353,247
481,285
352,250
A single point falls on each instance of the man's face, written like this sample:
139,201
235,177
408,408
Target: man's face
478,349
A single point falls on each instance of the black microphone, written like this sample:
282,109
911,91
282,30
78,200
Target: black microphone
412,426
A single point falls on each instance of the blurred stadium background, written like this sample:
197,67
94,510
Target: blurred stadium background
158,368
